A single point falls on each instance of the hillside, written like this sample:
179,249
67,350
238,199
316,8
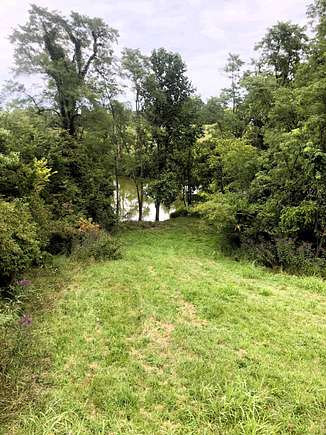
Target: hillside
173,338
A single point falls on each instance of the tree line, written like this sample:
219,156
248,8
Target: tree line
250,160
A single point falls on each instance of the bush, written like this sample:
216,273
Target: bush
221,212
83,239
256,232
299,257
183,212
98,246
262,251
42,217
62,236
19,244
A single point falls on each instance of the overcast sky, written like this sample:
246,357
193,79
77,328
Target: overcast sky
202,31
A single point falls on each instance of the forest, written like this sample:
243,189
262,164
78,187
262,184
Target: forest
244,175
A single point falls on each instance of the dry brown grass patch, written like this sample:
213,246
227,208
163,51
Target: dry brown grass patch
159,333
189,314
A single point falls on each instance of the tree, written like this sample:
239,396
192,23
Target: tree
224,163
167,89
269,200
136,67
212,112
66,51
183,159
317,14
233,68
282,48
258,101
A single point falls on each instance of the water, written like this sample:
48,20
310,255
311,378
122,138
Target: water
129,203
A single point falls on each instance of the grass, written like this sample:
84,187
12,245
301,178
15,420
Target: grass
173,338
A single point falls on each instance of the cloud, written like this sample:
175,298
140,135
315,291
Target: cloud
237,25
203,31
231,20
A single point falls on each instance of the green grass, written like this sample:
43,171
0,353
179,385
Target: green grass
173,338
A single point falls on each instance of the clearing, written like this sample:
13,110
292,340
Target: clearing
174,338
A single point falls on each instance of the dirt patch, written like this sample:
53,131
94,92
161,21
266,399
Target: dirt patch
189,314
159,333
158,336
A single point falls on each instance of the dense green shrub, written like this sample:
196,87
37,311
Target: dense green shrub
299,257
262,233
99,246
69,231
61,238
19,244
81,238
183,212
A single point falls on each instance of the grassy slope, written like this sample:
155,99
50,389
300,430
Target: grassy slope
176,339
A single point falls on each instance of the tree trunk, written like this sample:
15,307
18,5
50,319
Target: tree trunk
140,197
189,195
157,211
68,111
117,189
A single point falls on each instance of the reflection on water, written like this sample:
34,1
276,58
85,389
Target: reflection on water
129,203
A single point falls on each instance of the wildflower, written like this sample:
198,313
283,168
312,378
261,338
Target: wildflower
25,320
24,282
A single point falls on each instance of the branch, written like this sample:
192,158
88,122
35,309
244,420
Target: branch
77,43
92,56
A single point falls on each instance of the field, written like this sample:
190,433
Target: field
174,338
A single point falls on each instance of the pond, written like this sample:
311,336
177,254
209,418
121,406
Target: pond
129,203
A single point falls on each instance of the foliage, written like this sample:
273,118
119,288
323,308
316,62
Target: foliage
168,109
94,243
19,244
282,49
137,162
165,190
277,169
183,212
68,52
233,68
63,234
217,163
252,156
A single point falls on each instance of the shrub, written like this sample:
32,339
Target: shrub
221,212
262,251
97,245
183,212
88,229
42,217
299,257
19,244
258,233
62,235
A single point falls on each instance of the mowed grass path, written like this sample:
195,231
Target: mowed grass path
176,339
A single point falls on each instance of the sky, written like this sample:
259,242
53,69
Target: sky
202,31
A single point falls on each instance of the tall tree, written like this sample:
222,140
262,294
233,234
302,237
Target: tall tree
66,51
317,15
167,89
113,122
258,101
282,48
136,66
233,69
